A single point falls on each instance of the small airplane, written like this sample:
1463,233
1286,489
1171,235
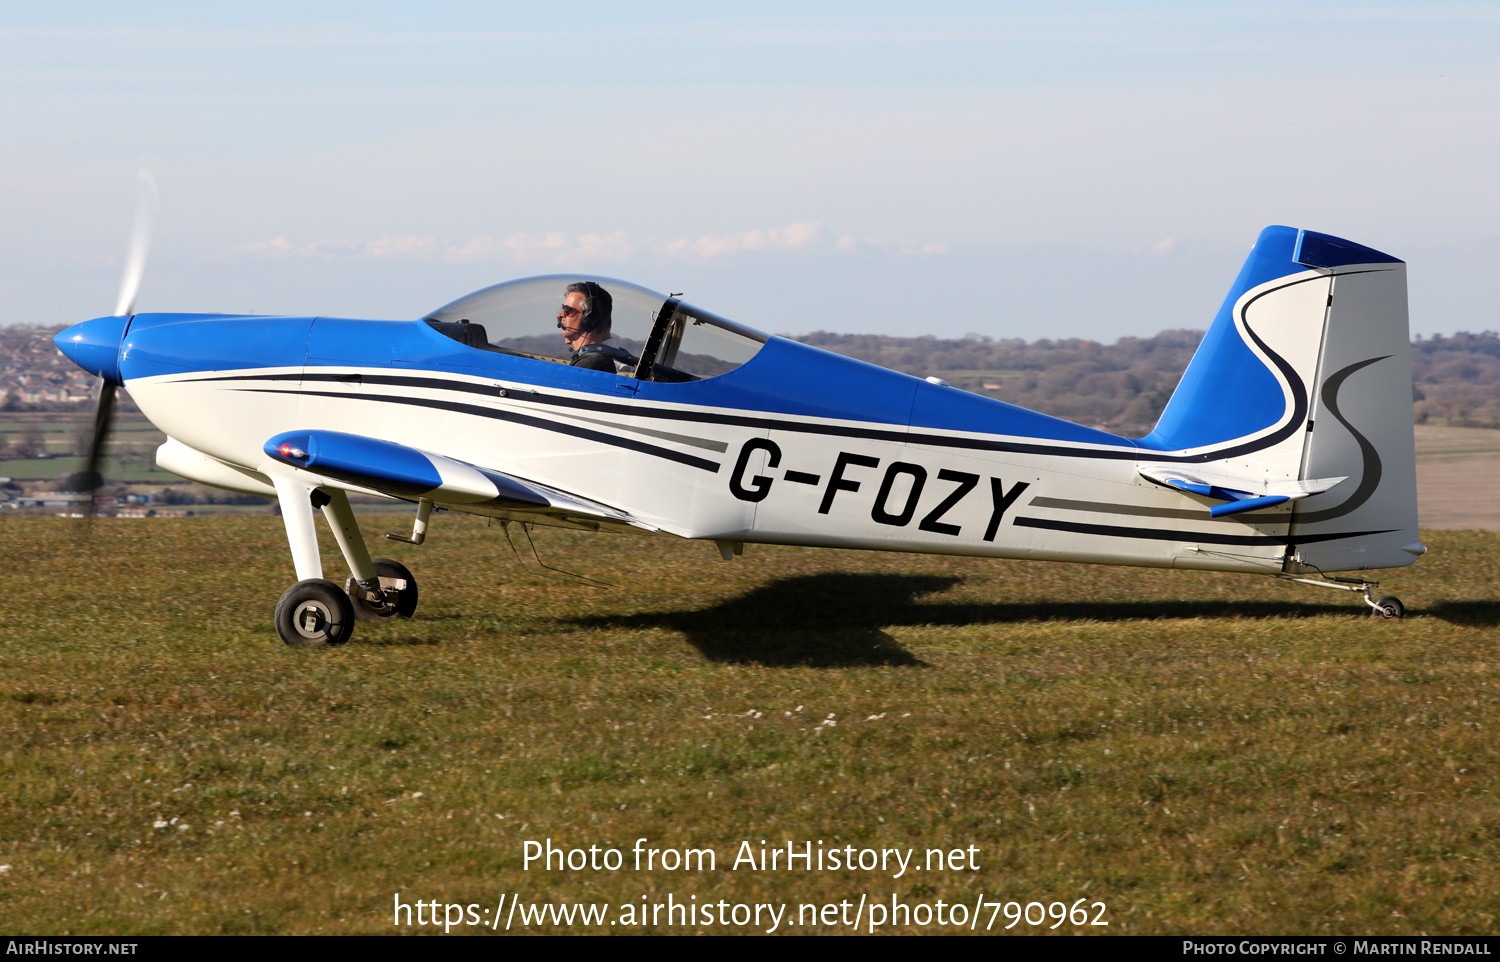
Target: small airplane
1286,449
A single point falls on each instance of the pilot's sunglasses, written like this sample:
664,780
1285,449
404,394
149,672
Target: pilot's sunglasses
569,311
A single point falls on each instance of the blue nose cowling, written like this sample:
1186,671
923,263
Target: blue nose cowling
95,345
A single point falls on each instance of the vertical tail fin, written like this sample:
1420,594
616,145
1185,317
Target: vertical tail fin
1305,374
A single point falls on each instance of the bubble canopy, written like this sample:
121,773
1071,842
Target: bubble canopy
665,338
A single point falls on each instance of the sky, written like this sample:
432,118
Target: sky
1092,170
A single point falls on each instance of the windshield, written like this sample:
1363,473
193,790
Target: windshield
521,317
552,318
690,344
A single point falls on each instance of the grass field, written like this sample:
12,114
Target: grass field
130,451
1202,753
136,471
1458,477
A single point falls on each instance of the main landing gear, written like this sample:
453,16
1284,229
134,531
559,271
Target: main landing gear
314,612
397,597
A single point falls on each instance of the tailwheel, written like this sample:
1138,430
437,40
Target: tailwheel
398,593
314,614
1389,607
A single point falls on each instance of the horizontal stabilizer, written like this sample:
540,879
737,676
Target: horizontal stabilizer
406,472
1238,493
1246,504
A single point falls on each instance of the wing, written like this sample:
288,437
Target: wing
398,471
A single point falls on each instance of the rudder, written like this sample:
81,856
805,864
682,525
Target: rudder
1360,424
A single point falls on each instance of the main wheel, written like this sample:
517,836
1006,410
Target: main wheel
1389,607
314,614
397,586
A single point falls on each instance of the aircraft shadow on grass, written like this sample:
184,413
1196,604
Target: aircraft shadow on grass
1471,614
835,620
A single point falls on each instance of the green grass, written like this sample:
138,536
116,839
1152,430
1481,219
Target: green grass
139,470
130,450
1203,753
67,423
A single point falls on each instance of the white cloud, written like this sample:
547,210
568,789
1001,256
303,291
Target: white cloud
562,248
791,237
279,247
1164,246
402,247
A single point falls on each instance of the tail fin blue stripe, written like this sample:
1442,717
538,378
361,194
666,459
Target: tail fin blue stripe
1325,250
1227,392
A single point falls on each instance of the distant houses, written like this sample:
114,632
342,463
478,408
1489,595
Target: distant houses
50,499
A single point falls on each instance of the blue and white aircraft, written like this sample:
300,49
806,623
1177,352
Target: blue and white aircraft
1286,449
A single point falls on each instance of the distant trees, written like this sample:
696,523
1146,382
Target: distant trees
177,496
1123,387
1457,379
29,444
81,481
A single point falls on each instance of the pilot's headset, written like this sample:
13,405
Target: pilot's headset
599,309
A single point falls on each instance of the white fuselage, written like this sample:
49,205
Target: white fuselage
779,480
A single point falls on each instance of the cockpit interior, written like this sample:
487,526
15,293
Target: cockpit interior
659,337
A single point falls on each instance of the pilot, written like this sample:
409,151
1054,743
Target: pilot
584,320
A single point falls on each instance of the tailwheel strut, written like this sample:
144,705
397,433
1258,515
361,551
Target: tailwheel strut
1388,607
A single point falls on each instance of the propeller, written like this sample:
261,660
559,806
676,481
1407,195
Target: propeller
146,200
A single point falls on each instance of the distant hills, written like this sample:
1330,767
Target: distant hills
1121,387
1457,379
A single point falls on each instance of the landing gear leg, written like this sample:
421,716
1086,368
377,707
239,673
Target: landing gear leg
313,613
380,589
301,528
346,532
